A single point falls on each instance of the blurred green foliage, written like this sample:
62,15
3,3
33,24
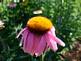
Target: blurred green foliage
65,15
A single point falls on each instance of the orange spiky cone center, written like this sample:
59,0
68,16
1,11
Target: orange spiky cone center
39,24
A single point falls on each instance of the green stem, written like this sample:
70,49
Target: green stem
43,56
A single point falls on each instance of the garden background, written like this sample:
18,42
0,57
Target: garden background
65,16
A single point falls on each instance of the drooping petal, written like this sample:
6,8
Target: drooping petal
28,43
53,36
51,43
36,40
53,31
21,32
41,46
24,33
24,38
59,41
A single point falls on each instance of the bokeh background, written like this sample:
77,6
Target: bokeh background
65,16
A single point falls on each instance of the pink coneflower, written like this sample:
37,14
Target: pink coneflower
38,36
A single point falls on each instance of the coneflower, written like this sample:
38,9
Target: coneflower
38,36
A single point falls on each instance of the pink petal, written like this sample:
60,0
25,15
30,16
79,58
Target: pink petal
24,37
51,43
36,42
41,47
24,33
53,36
53,31
21,32
28,43
60,42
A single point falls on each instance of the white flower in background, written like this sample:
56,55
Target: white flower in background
1,25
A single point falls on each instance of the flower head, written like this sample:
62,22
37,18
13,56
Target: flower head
1,25
34,43
39,24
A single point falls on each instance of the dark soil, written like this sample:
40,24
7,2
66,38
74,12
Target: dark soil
75,53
